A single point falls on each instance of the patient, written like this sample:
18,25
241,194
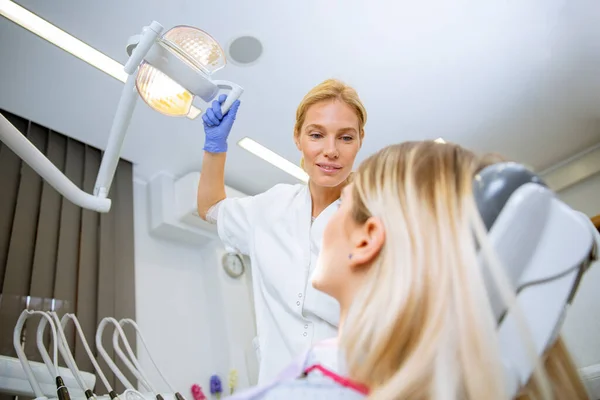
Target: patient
400,257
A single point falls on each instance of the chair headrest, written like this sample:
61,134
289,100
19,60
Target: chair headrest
495,184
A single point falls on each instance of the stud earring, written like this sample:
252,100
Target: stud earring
350,256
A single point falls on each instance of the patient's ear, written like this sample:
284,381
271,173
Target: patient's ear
367,239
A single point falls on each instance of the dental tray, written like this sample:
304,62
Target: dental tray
13,380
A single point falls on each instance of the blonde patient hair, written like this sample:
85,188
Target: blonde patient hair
421,327
330,90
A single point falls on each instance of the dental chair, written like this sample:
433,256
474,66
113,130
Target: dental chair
544,247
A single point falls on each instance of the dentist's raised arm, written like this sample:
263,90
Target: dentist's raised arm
217,127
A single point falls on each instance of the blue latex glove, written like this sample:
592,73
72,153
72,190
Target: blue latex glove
217,126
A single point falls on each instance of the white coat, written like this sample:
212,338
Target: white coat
275,230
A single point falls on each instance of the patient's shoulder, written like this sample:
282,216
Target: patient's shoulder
326,353
322,362
323,378
313,389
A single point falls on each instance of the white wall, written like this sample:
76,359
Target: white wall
238,315
197,321
582,325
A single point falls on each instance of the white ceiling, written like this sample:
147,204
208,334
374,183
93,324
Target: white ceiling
517,77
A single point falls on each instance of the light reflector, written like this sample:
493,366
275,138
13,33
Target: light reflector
162,93
197,47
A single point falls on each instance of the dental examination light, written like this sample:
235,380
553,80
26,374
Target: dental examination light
169,72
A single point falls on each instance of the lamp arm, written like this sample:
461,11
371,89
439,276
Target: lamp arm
110,158
144,42
47,170
23,148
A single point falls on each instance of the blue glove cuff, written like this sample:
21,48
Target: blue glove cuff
215,146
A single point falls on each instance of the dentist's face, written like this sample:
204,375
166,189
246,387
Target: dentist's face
329,141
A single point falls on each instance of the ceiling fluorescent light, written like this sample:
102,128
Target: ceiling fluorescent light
440,140
62,39
273,158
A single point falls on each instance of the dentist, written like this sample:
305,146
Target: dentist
281,229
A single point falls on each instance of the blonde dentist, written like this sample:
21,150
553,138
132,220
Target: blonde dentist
281,229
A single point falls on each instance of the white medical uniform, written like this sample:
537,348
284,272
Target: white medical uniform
275,230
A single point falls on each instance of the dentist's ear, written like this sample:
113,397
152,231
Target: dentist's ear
367,243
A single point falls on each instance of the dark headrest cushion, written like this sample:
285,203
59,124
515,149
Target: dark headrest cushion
493,186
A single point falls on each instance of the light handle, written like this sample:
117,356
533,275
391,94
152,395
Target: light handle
235,92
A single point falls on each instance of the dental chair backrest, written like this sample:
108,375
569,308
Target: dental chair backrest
543,247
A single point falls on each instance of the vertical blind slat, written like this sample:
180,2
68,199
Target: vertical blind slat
87,286
10,167
44,262
124,250
37,242
65,285
106,286
19,260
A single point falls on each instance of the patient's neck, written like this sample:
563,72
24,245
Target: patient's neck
343,315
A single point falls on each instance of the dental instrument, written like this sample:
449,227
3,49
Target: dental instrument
543,248
136,369
64,350
104,354
130,393
64,320
61,390
22,377
168,72
135,326
42,348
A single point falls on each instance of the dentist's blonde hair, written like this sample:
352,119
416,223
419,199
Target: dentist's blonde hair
421,327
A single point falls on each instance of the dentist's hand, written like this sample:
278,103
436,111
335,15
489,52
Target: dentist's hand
217,126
